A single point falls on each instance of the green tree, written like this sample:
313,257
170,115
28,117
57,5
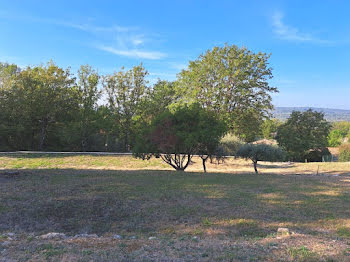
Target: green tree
177,135
303,132
269,128
8,74
89,94
335,138
158,98
37,99
260,152
339,132
233,82
126,90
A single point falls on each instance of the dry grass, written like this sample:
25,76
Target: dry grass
226,215
105,162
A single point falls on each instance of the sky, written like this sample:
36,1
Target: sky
309,41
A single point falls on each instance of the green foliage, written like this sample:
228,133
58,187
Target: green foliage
35,101
44,108
343,127
178,134
230,144
260,152
89,94
335,138
340,130
269,128
344,152
126,91
232,82
158,99
302,132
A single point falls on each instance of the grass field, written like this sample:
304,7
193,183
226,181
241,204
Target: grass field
144,211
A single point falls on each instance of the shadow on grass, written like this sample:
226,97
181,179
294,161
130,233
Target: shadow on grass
168,202
283,166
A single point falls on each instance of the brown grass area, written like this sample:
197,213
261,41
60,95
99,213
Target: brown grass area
228,214
105,162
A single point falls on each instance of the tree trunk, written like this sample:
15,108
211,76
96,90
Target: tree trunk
255,166
204,167
126,142
204,159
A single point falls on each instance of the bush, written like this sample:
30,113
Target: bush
230,144
344,152
335,138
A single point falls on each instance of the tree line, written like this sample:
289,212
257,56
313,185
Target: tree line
46,107
224,91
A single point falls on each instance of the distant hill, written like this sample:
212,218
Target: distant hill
332,115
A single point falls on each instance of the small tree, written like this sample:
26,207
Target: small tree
175,136
260,152
269,128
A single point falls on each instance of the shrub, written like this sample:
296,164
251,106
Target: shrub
344,152
335,138
230,144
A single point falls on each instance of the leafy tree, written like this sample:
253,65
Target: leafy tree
8,73
89,94
335,138
340,130
269,128
158,99
36,100
303,132
233,82
177,135
126,90
342,126
260,152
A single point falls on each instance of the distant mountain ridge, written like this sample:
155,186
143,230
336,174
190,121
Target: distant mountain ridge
332,115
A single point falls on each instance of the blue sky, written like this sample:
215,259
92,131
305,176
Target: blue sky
309,40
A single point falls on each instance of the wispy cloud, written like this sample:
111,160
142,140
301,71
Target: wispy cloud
93,28
133,53
128,41
124,41
286,32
